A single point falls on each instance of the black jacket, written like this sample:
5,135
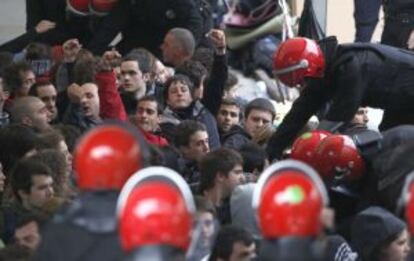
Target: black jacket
356,75
144,23
235,138
86,230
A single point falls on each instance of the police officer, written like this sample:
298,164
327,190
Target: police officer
399,23
347,76
144,23
87,228
155,210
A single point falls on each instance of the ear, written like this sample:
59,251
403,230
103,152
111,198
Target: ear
27,121
146,77
220,177
22,194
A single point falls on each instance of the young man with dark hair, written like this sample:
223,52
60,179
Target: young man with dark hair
148,120
133,82
192,141
233,243
229,114
32,186
220,172
254,160
27,233
258,113
46,91
18,78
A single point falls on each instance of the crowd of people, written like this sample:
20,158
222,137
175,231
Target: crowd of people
140,149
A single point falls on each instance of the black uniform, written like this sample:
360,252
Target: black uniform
399,22
67,25
144,23
356,75
86,230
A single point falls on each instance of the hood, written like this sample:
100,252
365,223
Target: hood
372,227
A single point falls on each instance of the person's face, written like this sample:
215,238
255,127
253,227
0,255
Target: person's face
40,116
206,221
28,235
131,77
48,95
40,192
399,249
2,178
241,252
28,79
256,119
90,100
162,74
63,148
361,117
3,94
147,116
234,178
179,96
197,147
228,115
168,48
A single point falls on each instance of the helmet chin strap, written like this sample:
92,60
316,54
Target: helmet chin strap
303,64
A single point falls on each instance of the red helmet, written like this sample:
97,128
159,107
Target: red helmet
338,154
102,7
78,7
304,147
155,207
289,198
297,58
408,202
106,157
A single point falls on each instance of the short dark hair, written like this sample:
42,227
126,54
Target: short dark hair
50,140
222,160
195,71
151,98
205,56
15,141
71,134
226,237
178,78
37,85
254,157
11,75
23,173
38,51
6,59
146,60
261,104
204,205
56,161
84,70
185,130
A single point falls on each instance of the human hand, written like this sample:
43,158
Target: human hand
410,42
44,26
112,58
74,93
71,49
218,38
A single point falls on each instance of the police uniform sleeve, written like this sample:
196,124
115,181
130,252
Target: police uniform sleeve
190,18
109,28
33,14
349,84
312,98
